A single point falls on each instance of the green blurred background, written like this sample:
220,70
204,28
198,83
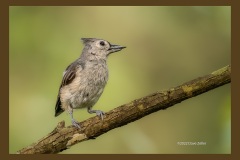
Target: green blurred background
166,46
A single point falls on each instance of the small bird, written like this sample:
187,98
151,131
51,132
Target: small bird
84,79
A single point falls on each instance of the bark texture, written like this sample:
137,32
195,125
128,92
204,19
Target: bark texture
62,137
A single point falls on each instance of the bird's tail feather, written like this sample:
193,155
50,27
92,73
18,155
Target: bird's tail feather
58,108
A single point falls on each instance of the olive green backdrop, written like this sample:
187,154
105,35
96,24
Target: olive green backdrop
166,46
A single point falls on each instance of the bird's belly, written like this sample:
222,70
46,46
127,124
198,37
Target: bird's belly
87,97
85,89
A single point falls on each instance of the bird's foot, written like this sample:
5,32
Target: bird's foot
75,123
100,113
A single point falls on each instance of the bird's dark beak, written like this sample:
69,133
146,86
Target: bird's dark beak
115,48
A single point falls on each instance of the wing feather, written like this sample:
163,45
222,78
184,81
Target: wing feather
68,77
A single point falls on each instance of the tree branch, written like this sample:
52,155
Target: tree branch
63,137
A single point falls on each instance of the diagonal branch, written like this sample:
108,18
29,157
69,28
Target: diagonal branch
63,137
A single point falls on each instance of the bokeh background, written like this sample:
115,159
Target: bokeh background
166,46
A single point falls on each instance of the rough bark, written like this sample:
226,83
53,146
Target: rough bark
62,137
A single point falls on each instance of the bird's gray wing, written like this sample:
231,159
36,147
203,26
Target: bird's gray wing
68,77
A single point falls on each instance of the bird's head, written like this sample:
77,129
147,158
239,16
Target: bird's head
99,47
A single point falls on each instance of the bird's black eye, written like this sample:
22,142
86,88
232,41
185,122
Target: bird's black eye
102,43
